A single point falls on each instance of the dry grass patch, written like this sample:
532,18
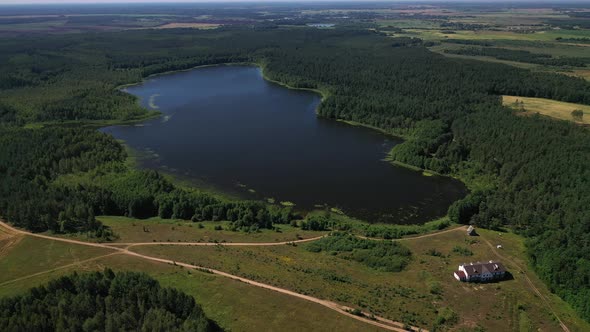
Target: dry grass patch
583,73
555,109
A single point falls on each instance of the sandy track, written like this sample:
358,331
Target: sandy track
7,244
417,237
375,321
252,244
263,244
58,268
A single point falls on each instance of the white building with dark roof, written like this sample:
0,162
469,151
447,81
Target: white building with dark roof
480,272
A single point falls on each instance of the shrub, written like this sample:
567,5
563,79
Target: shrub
387,256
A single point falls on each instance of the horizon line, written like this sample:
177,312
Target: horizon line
121,2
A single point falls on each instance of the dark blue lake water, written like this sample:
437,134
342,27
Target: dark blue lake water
227,128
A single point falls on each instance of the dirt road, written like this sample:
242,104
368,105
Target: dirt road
417,237
530,283
239,244
375,321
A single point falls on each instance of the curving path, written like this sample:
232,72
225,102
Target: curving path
344,310
502,257
435,233
240,244
58,268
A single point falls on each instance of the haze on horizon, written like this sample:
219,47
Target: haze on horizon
23,2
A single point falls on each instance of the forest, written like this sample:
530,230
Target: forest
32,159
103,301
448,110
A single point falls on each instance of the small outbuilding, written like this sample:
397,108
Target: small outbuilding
471,231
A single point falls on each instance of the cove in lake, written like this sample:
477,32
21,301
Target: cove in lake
228,128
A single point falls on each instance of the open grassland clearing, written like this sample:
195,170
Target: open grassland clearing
555,49
440,49
172,230
495,306
425,292
547,36
509,18
80,22
32,26
555,109
583,73
31,255
236,306
420,294
319,275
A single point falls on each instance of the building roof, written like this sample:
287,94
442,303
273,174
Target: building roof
494,267
473,269
479,268
460,274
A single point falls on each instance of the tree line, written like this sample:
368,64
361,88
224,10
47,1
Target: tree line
103,301
33,163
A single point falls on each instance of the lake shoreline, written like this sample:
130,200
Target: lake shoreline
263,72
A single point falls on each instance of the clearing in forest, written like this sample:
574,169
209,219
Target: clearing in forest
552,108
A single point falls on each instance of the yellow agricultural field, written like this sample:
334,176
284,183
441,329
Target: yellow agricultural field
555,109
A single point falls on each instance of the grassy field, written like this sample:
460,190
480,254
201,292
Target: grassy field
423,293
555,109
27,256
496,306
233,304
534,30
319,275
539,42
523,65
418,295
172,230
583,73
545,36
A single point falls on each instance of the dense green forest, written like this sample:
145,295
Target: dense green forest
536,170
32,159
104,301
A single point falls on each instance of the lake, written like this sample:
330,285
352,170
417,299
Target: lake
227,128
